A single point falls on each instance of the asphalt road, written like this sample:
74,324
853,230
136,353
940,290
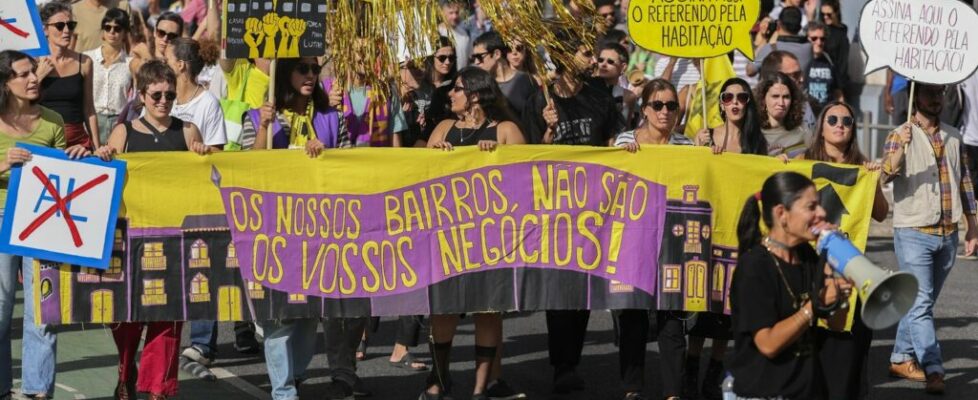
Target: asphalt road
87,358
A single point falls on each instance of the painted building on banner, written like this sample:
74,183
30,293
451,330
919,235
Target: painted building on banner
721,274
684,258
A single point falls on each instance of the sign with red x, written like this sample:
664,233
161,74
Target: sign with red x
21,28
62,210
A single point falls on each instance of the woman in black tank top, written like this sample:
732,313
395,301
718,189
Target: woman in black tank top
156,131
481,120
480,117
66,78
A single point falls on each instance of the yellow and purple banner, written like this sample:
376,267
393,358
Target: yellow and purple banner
275,234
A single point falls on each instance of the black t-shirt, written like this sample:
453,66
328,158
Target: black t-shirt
518,90
588,118
821,81
759,299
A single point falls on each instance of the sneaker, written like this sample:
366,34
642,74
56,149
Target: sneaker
339,390
198,370
908,370
935,383
194,353
500,390
567,382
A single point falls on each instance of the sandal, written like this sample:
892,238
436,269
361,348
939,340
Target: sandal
408,362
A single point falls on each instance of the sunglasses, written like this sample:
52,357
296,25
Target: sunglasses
816,38
305,68
833,121
113,28
477,58
444,58
670,106
156,96
727,97
609,61
518,48
828,15
60,26
170,36
458,88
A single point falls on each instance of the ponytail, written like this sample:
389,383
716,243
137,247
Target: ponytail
782,188
749,226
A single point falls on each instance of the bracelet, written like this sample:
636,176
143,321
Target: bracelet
808,315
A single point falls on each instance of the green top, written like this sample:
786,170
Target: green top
49,132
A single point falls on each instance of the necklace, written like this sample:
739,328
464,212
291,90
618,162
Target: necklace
472,132
796,301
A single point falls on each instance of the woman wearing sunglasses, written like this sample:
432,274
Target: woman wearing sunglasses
782,112
111,75
660,111
741,129
483,120
156,131
66,77
440,73
169,26
846,352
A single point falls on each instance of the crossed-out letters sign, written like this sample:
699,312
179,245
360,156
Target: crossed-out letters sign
62,210
21,28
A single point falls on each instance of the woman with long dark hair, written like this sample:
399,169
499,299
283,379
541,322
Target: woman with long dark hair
23,120
169,27
741,129
782,111
778,278
847,352
481,120
66,78
157,130
110,71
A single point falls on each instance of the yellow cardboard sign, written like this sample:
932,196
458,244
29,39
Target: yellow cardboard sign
693,28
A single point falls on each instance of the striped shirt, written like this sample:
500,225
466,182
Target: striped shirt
629,137
945,225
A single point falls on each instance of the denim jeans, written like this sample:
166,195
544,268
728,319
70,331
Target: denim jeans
39,342
203,336
290,345
929,258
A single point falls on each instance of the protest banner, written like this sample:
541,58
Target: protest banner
274,29
926,42
693,28
62,210
423,231
21,28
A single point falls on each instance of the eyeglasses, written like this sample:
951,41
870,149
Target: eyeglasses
305,68
170,36
727,97
60,26
444,58
833,121
670,106
113,28
609,61
458,88
816,38
477,58
156,96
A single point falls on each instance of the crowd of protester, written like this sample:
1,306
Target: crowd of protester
145,75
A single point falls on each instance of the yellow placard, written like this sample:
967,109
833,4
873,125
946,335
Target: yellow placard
693,28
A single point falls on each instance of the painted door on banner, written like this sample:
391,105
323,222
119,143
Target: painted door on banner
229,303
695,286
102,306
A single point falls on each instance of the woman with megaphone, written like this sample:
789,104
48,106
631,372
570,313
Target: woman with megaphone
781,288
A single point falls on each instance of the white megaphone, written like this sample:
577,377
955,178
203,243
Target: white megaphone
886,295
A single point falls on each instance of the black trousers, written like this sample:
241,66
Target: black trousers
633,337
409,330
565,337
843,357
